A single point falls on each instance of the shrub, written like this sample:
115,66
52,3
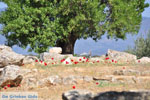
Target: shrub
141,47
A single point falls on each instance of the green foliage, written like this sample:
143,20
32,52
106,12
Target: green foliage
41,23
142,47
125,17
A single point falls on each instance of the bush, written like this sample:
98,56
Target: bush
142,47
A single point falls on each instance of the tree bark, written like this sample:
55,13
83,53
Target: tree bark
67,46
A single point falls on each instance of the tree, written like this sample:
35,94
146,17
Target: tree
44,23
141,47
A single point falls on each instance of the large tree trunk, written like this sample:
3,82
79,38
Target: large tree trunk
67,46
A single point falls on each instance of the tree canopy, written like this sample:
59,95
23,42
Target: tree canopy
44,23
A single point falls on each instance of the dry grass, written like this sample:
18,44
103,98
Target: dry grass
95,70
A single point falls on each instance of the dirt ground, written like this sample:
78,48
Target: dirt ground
95,70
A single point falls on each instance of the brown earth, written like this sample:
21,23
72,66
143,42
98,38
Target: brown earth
52,92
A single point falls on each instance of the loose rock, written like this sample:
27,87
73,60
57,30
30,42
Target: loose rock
54,80
88,78
69,80
127,72
77,95
52,57
125,95
121,56
57,50
10,75
29,59
8,57
144,60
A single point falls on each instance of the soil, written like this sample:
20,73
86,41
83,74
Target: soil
54,92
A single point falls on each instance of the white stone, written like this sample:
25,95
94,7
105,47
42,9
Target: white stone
144,60
8,57
29,59
57,50
48,57
96,59
10,73
121,56
54,80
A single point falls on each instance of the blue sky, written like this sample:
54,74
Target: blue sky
146,13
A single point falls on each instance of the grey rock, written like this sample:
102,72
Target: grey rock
110,95
8,57
130,72
121,56
30,78
145,73
95,59
79,77
10,75
48,56
127,72
29,59
69,80
54,80
13,74
51,80
118,72
31,82
3,47
42,82
88,78
121,79
77,95
108,78
125,95
144,60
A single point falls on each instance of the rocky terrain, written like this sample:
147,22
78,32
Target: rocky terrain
114,76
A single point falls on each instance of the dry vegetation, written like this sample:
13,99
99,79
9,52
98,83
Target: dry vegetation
52,92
